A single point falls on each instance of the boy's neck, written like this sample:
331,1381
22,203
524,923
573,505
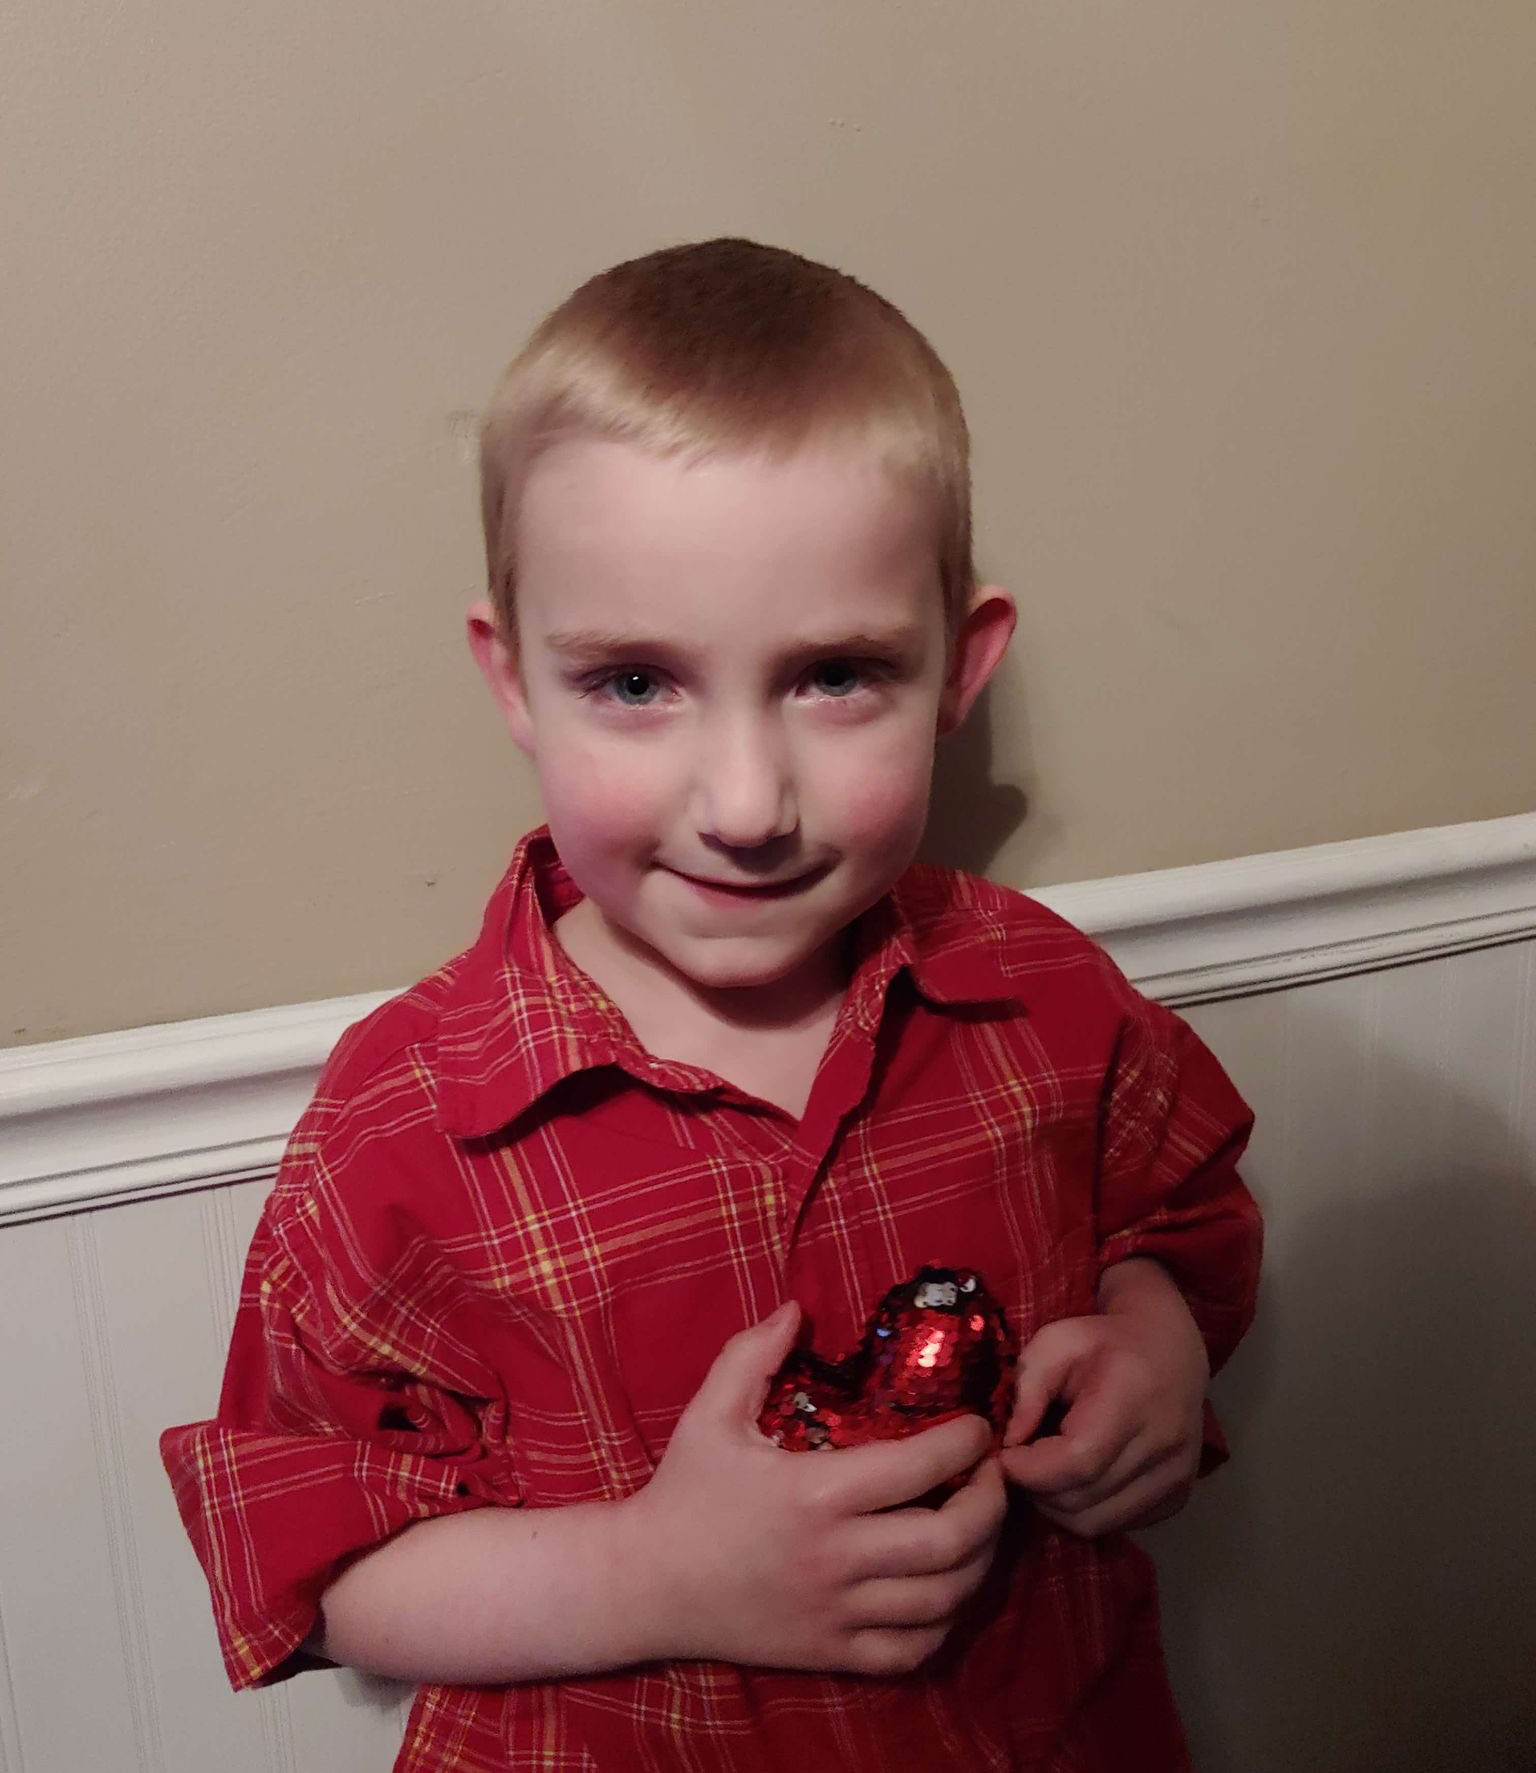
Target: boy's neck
630,972
768,1039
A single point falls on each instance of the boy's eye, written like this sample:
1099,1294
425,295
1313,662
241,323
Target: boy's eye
635,689
836,677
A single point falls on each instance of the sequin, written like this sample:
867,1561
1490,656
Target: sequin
938,1346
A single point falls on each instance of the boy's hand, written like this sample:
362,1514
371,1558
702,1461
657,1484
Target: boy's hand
786,1560
1133,1382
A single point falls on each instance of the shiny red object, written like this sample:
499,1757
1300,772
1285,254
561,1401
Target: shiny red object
938,1346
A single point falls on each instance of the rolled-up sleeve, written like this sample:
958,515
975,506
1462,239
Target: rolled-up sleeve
1173,1129
320,1450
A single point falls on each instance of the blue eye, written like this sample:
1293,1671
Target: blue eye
632,689
836,677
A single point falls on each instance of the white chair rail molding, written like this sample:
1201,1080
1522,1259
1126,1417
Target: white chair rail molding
149,1111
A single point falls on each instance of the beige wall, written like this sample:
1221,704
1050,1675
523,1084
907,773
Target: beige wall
1240,299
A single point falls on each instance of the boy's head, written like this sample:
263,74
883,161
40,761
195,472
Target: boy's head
727,520
728,347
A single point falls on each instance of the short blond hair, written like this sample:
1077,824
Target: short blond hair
727,346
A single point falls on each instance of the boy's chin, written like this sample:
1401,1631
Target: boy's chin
744,965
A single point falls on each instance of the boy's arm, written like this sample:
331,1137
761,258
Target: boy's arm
404,1550
497,1595
735,1551
308,1464
1178,1249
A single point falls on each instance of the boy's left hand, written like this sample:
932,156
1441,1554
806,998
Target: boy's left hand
1132,1382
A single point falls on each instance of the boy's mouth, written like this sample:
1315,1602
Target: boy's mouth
748,891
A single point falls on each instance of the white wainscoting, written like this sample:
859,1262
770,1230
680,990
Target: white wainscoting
1354,1592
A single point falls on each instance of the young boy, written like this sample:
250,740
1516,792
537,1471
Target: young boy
721,1069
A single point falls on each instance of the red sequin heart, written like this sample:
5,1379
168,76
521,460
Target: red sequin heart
938,1346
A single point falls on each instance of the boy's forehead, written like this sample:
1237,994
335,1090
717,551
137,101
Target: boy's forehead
591,496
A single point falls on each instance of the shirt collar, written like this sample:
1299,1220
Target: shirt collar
518,1017
962,943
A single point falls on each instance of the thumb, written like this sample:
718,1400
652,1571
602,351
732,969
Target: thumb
1046,1368
736,1384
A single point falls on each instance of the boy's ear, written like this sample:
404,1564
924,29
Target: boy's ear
499,667
978,649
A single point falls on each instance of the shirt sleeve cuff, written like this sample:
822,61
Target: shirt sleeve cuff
274,1519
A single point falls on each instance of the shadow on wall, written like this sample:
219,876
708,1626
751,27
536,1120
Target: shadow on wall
971,816
1357,1590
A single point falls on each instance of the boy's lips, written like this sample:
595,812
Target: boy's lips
748,890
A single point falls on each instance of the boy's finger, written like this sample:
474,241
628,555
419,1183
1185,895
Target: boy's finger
1093,1436
1135,1460
1048,1367
1149,1499
929,1541
917,1599
975,1512
736,1384
1032,1397
888,1651
886,1474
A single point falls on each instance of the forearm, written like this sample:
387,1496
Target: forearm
1141,1289
498,1595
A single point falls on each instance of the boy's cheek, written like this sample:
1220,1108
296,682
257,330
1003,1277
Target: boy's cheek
600,793
884,802
876,800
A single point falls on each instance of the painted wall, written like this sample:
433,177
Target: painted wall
1240,299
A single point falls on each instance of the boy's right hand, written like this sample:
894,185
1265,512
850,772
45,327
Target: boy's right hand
786,1560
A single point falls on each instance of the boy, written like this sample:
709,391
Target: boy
721,1058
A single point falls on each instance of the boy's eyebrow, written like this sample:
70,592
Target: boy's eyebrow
900,637
588,643
602,643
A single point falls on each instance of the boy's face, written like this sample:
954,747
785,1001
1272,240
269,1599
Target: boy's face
730,676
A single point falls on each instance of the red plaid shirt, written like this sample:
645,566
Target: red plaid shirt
506,1243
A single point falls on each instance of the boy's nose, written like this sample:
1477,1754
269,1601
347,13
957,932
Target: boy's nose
745,790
